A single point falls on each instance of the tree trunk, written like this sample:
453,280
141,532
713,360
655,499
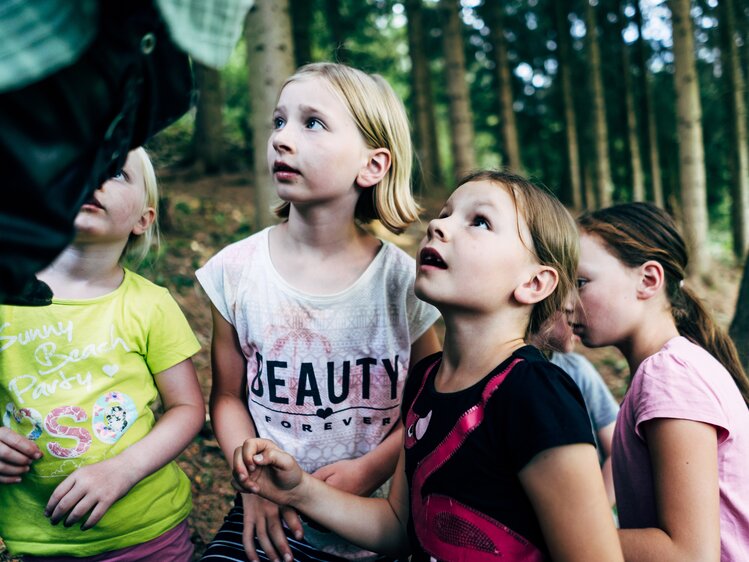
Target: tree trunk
568,100
633,138
507,122
604,183
740,157
209,128
689,133
270,60
301,22
425,130
461,117
336,27
654,159
739,330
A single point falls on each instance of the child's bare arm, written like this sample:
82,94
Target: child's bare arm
376,524
566,490
233,424
16,455
92,489
684,455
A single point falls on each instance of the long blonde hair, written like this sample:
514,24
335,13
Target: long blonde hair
381,118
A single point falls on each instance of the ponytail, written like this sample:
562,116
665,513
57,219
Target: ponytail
695,323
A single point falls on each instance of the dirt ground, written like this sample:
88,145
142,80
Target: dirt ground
205,214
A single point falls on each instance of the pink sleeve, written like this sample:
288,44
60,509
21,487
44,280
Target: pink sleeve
666,386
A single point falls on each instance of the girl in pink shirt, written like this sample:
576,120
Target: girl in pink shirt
681,445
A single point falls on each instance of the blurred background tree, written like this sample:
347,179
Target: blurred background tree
601,100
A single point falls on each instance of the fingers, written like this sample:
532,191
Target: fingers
293,521
16,455
66,499
262,521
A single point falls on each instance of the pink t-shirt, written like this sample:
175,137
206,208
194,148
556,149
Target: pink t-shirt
684,381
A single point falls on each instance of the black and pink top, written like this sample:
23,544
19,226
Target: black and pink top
464,451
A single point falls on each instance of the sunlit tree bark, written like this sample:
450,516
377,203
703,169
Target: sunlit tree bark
461,117
692,176
270,58
425,130
603,181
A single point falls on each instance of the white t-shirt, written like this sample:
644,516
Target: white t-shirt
325,374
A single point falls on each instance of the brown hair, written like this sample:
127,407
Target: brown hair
554,239
639,232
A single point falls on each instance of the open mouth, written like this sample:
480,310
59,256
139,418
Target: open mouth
431,257
281,167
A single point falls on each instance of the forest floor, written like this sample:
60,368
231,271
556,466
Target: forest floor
203,215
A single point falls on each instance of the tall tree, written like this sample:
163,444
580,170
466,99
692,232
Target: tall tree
208,143
568,101
421,86
301,17
604,182
648,113
270,58
336,27
633,138
739,330
507,122
740,160
692,175
459,101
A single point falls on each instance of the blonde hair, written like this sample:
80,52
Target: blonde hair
138,246
381,118
554,238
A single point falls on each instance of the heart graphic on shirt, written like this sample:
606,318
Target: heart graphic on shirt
324,413
110,370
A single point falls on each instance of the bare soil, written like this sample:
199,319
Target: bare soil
204,214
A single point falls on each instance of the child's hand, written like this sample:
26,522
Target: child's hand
262,518
90,489
260,467
16,455
346,475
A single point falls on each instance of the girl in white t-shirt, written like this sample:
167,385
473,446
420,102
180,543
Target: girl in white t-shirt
681,444
315,322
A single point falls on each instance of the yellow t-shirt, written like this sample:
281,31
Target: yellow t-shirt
77,378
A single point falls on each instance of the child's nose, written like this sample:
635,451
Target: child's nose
436,229
282,140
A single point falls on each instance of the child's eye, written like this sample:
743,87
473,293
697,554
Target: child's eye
121,176
581,282
480,222
314,124
278,122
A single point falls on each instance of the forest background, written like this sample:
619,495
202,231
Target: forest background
602,101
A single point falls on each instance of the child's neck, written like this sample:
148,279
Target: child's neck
648,338
321,258
84,272
473,349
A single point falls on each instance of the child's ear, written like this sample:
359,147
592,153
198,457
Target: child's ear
145,221
538,287
377,165
652,278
